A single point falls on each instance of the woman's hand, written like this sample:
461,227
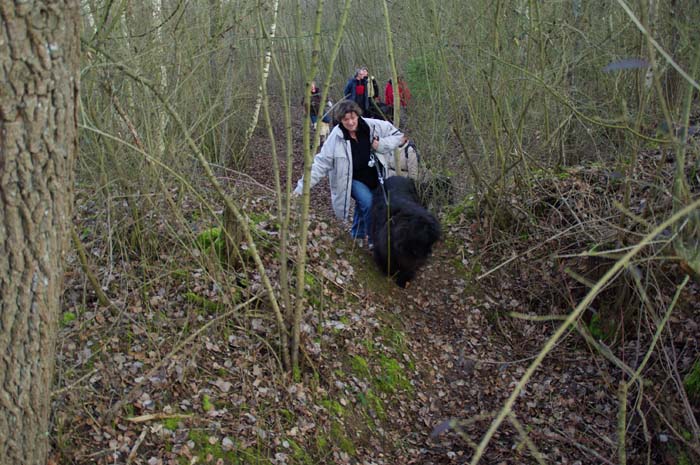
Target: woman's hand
375,143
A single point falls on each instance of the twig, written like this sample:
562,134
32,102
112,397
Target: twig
677,381
562,435
74,383
622,423
82,257
475,172
508,406
524,316
656,45
693,446
534,247
526,439
175,350
605,253
659,329
134,449
603,350
267,58
158,416
237,212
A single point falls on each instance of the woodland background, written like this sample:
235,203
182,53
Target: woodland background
208,318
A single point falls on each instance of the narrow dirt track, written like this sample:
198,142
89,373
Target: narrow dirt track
466,364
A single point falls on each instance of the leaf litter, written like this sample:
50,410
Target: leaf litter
391,376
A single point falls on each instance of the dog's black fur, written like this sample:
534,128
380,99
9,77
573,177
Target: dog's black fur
404,233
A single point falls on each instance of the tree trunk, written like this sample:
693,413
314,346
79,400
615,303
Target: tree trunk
39,64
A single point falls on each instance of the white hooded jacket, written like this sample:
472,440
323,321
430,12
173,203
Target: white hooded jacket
335,161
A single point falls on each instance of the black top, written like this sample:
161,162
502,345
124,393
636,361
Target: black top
361,149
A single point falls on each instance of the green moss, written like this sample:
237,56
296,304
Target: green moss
202,448
691,382
458,265
334,407
207,404
339,437
394,338
238,456
595,327
476,269
68,318
309,279
128,410
179,274
287,414
299,453
213,241
360,366
466,208
206,304
373,404
171,423
392,377
208,237
257,218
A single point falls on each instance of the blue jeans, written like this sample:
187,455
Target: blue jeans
363,206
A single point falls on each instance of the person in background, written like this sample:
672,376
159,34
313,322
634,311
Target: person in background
404,93
324,127
348,158
389,95
315,104
362,89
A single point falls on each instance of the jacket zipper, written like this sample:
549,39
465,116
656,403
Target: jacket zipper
348,182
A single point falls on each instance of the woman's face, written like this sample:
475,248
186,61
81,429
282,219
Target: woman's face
349,121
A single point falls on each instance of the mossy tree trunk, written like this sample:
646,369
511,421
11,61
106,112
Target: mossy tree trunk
39,64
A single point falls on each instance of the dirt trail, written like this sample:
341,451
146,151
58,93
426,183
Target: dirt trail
466,363
384,368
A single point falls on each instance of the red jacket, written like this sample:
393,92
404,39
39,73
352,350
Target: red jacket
403,92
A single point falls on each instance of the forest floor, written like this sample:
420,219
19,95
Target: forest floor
390,375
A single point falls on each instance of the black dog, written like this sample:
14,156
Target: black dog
403,231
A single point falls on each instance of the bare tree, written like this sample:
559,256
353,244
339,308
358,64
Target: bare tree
39,64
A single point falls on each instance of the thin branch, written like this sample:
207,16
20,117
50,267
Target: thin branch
508,406
658,47
134,390
96,286
526,439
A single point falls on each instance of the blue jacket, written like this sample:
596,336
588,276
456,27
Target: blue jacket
371,90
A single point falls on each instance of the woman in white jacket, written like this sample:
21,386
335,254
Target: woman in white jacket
346,158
